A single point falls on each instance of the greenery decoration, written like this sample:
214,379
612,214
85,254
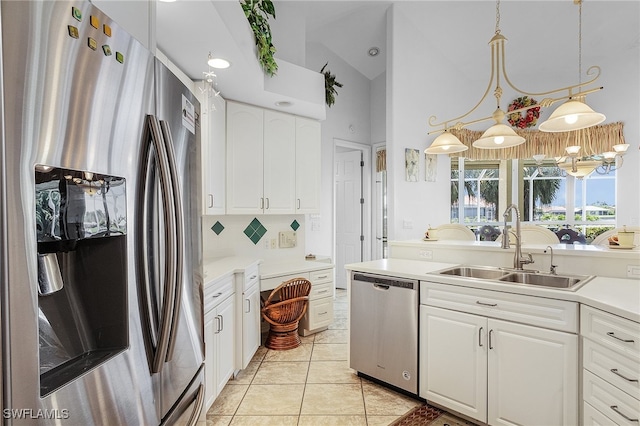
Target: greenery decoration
529,119
330,85
257,13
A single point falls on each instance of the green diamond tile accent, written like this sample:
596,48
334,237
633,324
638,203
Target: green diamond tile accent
295,225
217,228
255,231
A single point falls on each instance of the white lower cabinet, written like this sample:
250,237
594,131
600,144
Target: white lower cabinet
250,324
498,372
611,368
219,337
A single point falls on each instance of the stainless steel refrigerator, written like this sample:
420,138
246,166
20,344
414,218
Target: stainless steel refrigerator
100,264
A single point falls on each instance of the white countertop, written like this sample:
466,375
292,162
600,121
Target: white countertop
559,249
614,295
273,269
214,269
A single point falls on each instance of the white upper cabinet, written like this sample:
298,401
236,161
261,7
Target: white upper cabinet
245,126
213,131
308,153
279,162
273,162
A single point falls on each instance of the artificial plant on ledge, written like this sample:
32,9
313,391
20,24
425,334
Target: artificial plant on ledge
257,13
330,84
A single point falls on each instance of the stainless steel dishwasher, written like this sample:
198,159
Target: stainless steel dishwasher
384,329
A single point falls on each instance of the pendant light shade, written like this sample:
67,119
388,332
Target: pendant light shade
498,136
571,115
446,143
580,168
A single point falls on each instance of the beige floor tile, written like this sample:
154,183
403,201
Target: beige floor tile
260,353
282,372
332,336
265,421
218,420
245,376
228,401
339,324
340,314
301,353
332,399
268,400
306,340
381,420
380,401
329,352
332,421
331,372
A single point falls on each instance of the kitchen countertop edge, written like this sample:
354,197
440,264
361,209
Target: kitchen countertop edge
617,296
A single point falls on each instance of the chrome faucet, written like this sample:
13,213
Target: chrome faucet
518,259
552,268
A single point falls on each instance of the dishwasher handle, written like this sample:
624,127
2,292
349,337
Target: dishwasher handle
381,286
382,282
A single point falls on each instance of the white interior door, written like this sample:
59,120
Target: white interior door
348,181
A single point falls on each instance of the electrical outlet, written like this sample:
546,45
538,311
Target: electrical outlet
633,271
266,243
425,254
274,243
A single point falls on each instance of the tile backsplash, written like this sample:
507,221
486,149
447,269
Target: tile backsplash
257,236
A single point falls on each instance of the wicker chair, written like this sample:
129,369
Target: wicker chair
283,309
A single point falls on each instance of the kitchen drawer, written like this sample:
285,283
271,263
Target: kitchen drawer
542,312
609,400
271,283
322,276
618,334
620,371
318,291
217,291
251,276
593,417
319,314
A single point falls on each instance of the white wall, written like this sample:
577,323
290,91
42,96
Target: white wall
347,119
421,82
233,242
378,108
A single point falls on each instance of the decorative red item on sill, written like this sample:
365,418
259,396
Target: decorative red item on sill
530,116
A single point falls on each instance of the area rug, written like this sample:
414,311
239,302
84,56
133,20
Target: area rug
422,415
429,415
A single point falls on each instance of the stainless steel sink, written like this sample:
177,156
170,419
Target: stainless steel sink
568,282
564,282
475,272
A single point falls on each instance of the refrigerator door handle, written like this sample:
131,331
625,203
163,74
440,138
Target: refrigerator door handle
193,419
179,237
154,139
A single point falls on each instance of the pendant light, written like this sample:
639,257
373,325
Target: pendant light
574,114
446,143
502,136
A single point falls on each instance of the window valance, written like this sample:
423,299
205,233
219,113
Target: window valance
598,139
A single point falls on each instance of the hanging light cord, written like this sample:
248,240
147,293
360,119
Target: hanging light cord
497,16
580,41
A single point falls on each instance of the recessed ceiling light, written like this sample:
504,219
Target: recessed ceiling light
218,63
374,51
167,1
284,103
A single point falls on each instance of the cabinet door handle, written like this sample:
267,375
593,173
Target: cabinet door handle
298,203
253,277
615,371
248,306
480,336
322,277
218,329
612,334
261,203
486,304
615,408
221,322
267,203
323,291
490,343
216,295
210,200
323,313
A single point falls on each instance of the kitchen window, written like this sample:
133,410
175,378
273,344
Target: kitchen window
544,192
